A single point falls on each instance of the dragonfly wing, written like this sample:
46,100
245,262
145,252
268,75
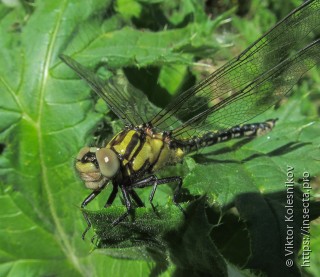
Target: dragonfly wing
134,103
255,98
248,84
117,95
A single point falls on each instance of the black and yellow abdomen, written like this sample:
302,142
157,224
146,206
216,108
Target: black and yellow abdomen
141,152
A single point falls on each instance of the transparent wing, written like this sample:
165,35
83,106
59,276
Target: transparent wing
250,83
134,101
120,96
256,97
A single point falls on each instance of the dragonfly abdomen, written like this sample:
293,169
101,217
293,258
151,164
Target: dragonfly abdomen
239,131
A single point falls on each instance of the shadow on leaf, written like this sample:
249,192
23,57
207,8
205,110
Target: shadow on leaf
250,233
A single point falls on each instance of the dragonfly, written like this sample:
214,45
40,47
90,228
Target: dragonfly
215,110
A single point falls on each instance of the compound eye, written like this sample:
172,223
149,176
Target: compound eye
108,162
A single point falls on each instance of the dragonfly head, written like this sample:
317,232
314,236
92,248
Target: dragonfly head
97,166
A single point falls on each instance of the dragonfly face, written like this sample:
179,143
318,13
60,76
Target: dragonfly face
97,166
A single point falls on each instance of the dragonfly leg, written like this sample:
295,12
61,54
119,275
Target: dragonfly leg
112,196
177,191
127,202
153,181
85,202
136,198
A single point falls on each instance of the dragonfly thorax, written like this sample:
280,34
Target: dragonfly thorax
97,166
142,151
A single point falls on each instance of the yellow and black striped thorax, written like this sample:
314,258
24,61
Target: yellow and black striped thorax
143,151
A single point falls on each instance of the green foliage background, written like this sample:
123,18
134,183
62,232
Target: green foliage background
47,114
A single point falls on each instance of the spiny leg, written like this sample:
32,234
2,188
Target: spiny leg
128,205
126,197
85,202
153,181
110,200
136,198
112,196
148,181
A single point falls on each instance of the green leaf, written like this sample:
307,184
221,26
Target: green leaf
48,114
171,77
191,248
142,227
128,8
